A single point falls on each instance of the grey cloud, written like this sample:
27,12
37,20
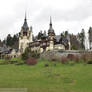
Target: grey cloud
40,15
78,14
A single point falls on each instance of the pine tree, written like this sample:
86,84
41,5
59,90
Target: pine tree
81,38
90,37
9,41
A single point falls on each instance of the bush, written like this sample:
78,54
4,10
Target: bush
74,58
87,58
28,53
16,60
53,59
70,57
13,62
20,64
7,57
84,58
31,61
64,60
89,62
46,65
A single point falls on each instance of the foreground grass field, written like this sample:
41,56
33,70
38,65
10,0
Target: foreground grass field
59,78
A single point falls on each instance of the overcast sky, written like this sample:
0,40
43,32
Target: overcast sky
72,15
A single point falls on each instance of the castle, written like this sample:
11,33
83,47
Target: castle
45,43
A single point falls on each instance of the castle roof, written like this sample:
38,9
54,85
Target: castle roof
51,30
57,37
25,25
61,40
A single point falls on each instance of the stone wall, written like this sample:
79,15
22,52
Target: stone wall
57,54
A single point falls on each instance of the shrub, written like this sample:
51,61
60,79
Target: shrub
31,61
70,57
84,58
46,65
20,64
7,57
76,58
87,58
89,62
54,64
64,60
24,56
13,62
28,53
53,59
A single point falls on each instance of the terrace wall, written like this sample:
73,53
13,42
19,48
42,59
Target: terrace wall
57,54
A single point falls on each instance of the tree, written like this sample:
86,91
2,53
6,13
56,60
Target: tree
40,34
9,41
29,53
90,37
15,38
15,42
66,33
81,38
1,43
62,35
75,44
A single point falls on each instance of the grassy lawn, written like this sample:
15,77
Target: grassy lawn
59,78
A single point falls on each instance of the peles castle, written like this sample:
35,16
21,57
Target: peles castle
45,43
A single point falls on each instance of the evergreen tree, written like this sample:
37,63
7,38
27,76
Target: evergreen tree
66,33
9,41
90,37
40,34
81,38
14,39
62,35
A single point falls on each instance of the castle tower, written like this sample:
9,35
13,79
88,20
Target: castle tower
51,32
69,43
51,35
25,36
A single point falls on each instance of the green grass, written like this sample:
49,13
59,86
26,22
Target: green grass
17,59
2,60
59,78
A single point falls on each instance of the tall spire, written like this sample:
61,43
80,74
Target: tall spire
51,30
25,25
25,17
50,21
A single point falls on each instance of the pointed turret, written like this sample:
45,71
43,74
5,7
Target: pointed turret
51,30
25,25
50,22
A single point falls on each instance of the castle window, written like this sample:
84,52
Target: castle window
24,33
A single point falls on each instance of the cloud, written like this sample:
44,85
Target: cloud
81,12
70,15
